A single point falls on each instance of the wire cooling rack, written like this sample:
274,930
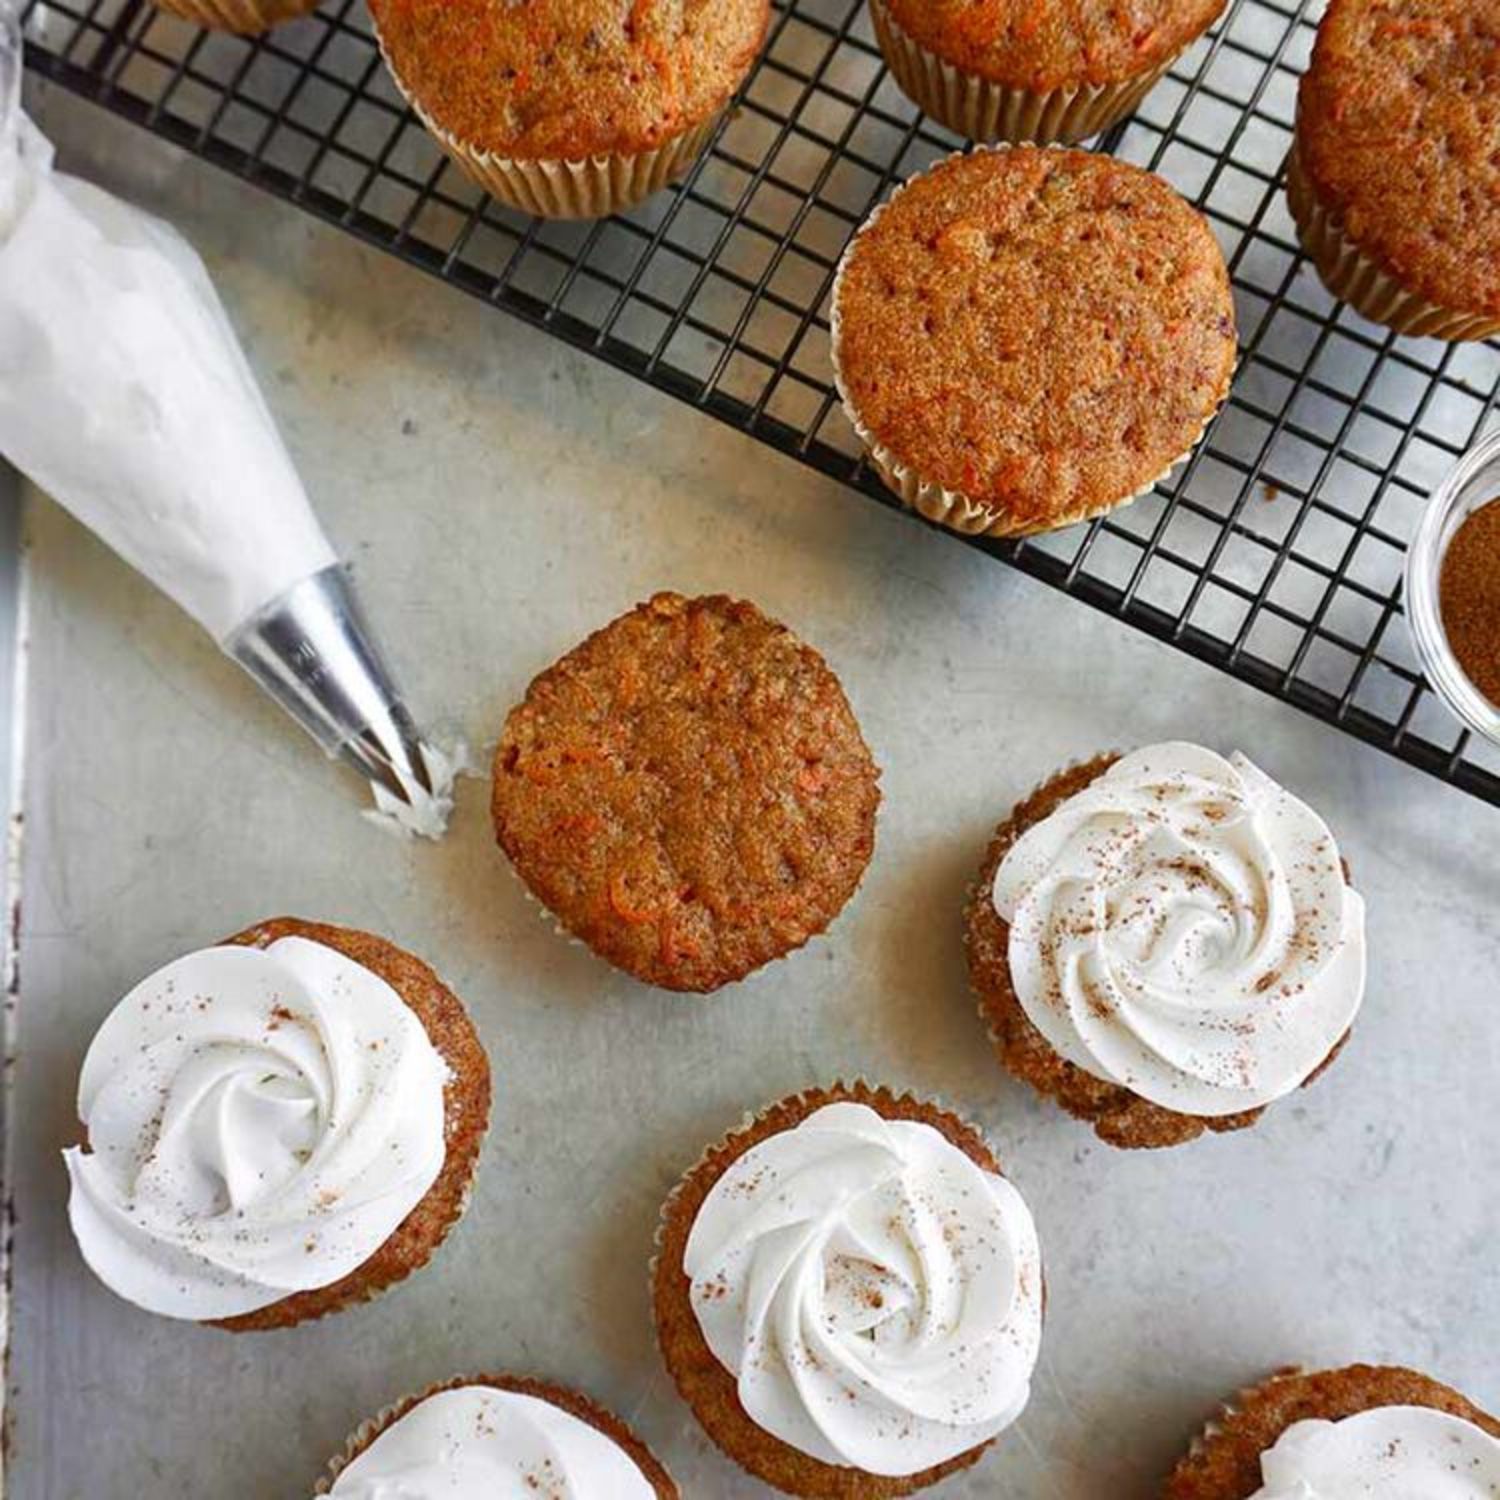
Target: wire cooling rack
1275,553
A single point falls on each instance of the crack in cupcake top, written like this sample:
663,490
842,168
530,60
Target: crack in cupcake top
1398,132
1047,44
1044,331
569,79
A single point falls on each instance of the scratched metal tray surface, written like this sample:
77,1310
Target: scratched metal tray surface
1276,553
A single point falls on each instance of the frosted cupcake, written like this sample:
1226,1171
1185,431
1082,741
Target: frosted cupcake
496,1436
1034,70
1166,942
276,1127
244,16
849,1294
1366,1432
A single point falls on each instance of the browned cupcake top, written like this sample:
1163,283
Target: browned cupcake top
1044,331
1398,133
1048,44
688,792
1225,1463
567,79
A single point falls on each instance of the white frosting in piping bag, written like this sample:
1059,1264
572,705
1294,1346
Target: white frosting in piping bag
479,1443
125,394
1182,926
259,1123
1389,1453
877,1294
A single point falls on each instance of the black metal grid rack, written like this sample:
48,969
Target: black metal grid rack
1275,553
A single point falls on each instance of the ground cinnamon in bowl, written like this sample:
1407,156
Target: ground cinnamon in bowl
1469,598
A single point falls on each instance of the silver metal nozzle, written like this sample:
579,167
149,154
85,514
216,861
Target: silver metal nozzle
312,650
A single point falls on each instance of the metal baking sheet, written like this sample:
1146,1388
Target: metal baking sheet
500,497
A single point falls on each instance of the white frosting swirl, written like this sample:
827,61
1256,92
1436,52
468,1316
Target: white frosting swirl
1182,926
479,1443
877,1294
259,1123
1389,1453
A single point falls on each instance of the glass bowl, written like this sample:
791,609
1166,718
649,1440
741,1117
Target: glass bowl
1475,481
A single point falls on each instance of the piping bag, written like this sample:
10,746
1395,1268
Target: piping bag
125,395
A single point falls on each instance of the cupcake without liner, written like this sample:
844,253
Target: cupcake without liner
1342,1432
1411,246
244,17
229,1104
570,109
827,1423
687,792
1027,337
494,1430
1033,70
1123,965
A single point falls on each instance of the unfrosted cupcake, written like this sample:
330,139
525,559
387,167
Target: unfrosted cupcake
494,1436
1165,942
849,1294
1394,175
570,108
276,1127
1027,337
244,16
1034,70
687,792
1368,1431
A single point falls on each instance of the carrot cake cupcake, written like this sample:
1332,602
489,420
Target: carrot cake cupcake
570,108
687,792
496,1436
244,16
1034,70
1027,337
1394,176
849,1294
1366,1433
276,1127
1166,942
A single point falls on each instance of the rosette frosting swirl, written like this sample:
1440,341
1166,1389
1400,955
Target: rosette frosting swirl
876,1293
259,1123
1182,926
480,1443
1388,1453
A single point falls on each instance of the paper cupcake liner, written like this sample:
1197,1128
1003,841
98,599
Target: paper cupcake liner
575,1403
591,187
937,502
245,17
1353,277
987,111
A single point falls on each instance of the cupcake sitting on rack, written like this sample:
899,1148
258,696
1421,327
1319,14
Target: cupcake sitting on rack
570,109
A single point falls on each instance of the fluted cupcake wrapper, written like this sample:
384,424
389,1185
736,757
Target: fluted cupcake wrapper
563,1397
1353,277
591,187
984,110
245,17
938,502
